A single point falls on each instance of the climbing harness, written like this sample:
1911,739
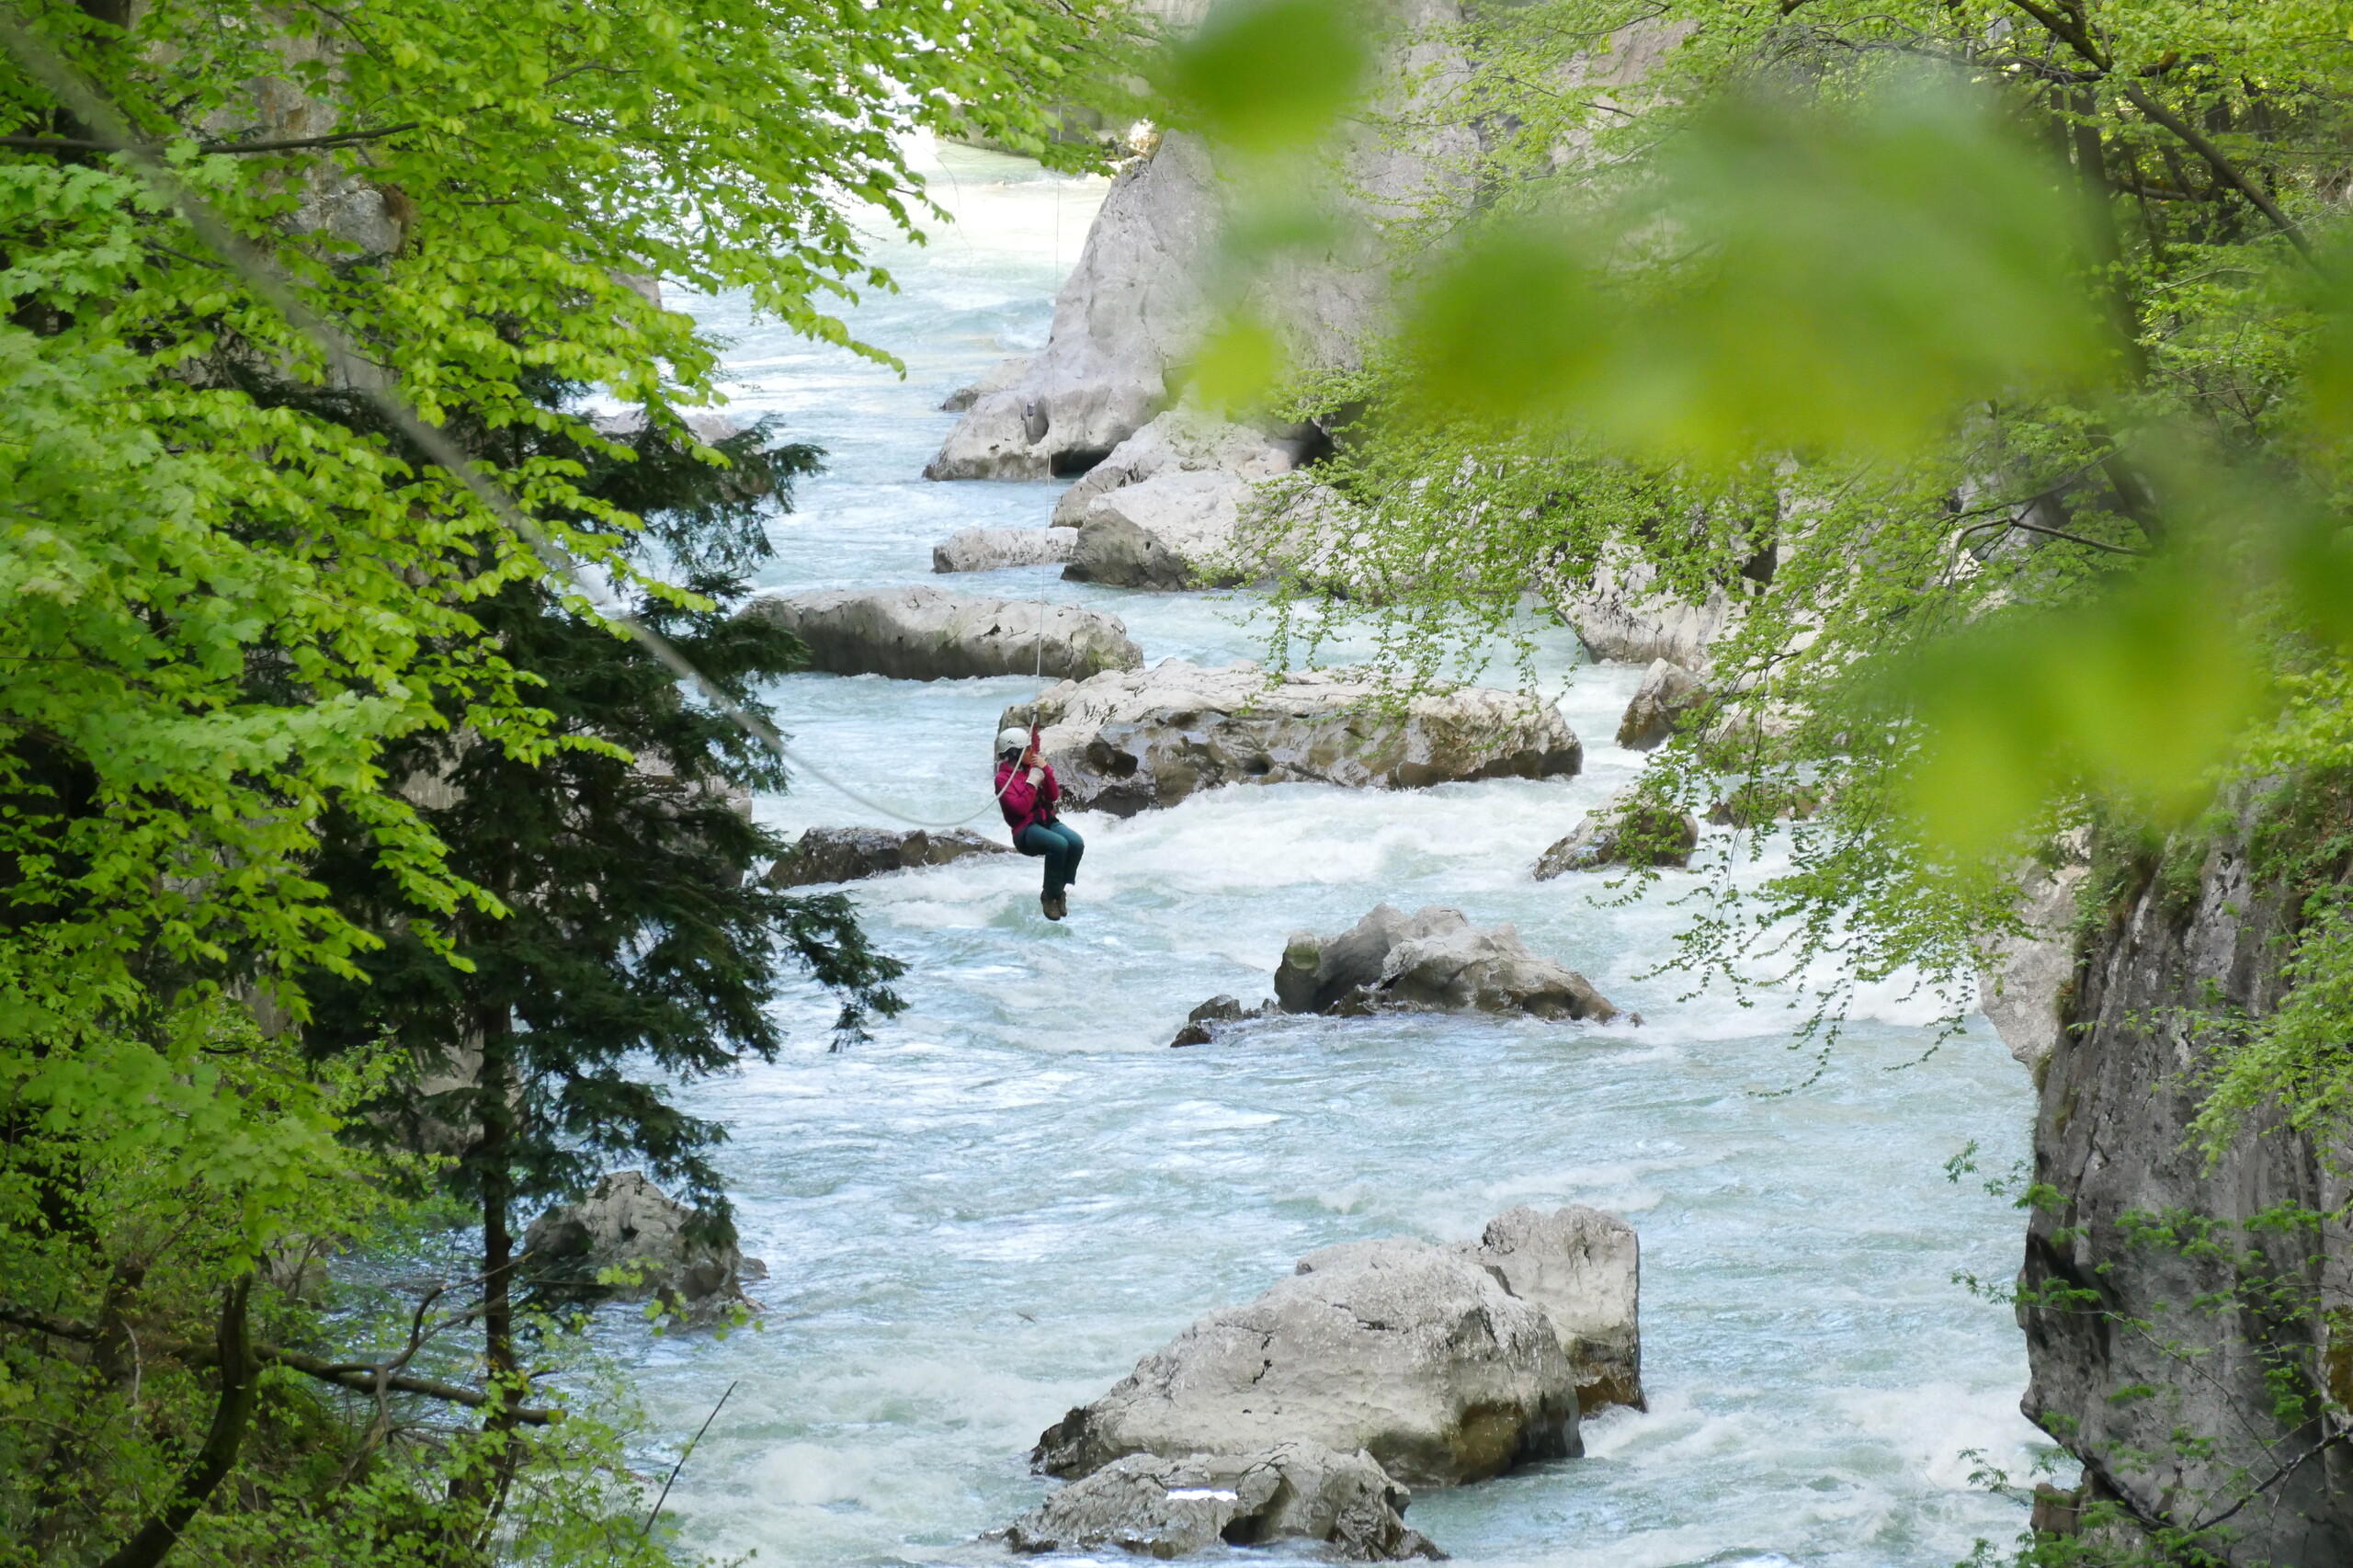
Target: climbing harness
99,113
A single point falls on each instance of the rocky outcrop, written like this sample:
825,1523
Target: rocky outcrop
629,1223
1668,693
851,854
1180,440
1136,306
1584,1268
2021,989
1206,1022
1151,1506
1132,309
925,633
1759,801
993,549
1434,960
1624,830
1622,616
2185,1368
1127,742
1407,1351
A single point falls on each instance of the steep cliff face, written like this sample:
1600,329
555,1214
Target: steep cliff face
2163,1368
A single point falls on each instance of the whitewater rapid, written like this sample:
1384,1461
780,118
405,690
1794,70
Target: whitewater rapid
987,1212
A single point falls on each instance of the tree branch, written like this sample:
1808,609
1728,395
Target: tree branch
296,144
361,1377
2222,166
239,1387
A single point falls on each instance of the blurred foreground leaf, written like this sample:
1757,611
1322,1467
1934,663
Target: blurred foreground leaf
1791,276
1271,76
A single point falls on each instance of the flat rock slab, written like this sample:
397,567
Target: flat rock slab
1128,742
1174,1508
1408,1351
993,549
851,854
926,634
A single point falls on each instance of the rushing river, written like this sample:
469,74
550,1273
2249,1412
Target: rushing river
989,1211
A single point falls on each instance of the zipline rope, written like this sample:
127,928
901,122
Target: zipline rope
94,110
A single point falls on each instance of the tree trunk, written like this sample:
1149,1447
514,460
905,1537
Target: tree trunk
484,1485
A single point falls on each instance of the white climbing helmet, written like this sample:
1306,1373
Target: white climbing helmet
1012,739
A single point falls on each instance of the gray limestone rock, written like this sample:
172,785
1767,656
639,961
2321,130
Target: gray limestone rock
2020,990
993,549
926,634
996,379
1136,307
1623,617
1125,743
1173,531
2183,1423
1470,969
629,1223
1434,959
1584,1268
1667,694
1405,1350
1179,440
851,854
1621,833
1152,1507
1206,1022
1131,308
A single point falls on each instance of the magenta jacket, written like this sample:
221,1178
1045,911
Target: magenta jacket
1024,803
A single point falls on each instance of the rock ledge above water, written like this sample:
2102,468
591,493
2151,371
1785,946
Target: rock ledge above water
926,634
1127,742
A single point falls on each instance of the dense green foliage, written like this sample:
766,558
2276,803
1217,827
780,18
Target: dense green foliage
239,622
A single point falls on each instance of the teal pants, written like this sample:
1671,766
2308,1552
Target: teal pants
1060,846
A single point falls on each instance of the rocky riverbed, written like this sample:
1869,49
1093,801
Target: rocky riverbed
990,1211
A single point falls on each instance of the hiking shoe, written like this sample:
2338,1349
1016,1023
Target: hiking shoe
1055,904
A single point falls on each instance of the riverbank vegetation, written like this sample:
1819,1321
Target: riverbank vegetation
359,879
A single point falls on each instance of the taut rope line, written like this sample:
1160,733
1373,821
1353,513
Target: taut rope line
97,111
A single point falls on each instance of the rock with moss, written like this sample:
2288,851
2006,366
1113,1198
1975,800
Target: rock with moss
1625,831
853,854
631,1228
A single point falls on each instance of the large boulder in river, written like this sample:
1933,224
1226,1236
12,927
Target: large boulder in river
1124,743
993,549
1584,1268
629,1224
1151,1506
851,854
1434,959
1668,694
1625,830
926,634
1408,1351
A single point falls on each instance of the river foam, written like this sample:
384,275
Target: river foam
987,1212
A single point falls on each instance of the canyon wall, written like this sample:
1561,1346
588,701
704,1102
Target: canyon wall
2191,1379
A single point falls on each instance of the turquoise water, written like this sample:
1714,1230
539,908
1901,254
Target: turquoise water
990,1210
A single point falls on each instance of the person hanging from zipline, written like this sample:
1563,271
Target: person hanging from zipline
1028,791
